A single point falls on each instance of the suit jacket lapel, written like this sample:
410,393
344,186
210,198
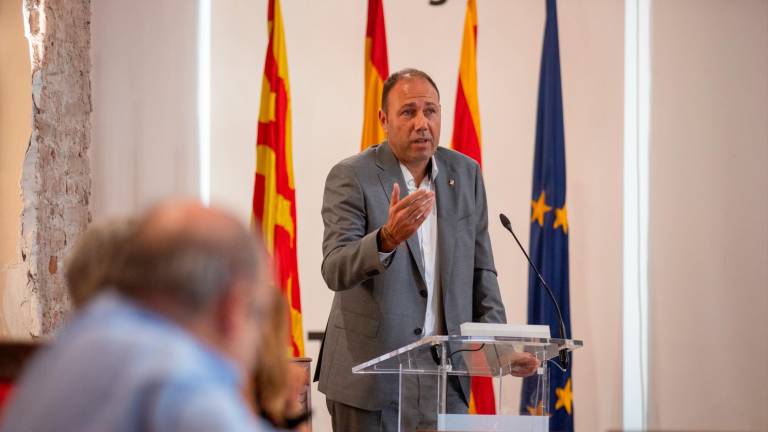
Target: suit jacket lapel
389,174
446,195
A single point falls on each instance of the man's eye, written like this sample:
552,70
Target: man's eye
407,113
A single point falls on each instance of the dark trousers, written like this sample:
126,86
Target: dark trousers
419,408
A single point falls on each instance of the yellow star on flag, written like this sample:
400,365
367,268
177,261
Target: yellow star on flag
561,218
564,397
539,209
539,411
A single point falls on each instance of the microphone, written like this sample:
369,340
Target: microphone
563,351
433,350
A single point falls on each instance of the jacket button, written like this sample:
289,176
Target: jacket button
423,293
417,331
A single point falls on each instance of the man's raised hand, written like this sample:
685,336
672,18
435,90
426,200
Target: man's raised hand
405,216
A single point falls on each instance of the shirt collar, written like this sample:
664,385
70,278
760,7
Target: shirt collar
432,171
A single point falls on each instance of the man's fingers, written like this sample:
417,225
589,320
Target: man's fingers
411,208
425,208
524,366
395,198
423,211
414,198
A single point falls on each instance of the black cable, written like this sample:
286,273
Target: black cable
436,355
466,350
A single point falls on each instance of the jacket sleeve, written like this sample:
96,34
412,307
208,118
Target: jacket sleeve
486,298
350,253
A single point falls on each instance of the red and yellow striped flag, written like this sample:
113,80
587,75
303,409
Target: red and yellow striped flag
274,194
466,125
466,139
376,72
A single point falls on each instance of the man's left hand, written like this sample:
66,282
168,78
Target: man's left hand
522,364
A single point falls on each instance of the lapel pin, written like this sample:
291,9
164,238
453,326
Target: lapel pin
451,182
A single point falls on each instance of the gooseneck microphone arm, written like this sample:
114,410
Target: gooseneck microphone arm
563,352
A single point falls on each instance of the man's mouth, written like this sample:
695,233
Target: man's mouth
421,141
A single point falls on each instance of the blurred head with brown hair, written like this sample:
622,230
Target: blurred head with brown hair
271,378
96,258
278,382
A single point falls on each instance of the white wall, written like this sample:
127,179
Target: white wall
709,215
144,90
325,58
709,241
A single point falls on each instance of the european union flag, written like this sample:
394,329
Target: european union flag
549,224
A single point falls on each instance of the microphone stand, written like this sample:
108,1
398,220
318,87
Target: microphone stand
564,361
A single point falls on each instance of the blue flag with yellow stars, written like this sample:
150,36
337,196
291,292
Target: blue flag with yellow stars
549,227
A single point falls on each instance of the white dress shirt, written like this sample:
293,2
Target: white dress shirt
427,232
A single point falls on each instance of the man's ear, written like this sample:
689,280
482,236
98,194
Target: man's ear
226,313
383,121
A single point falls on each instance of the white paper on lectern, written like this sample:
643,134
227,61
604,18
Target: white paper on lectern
509,330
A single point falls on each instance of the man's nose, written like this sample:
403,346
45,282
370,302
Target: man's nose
420,122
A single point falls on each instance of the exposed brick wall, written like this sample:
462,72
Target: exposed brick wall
56,177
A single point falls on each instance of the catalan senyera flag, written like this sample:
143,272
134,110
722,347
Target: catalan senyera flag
376,72
466,122
466,139
274,194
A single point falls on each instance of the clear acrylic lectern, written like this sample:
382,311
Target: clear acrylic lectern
489,356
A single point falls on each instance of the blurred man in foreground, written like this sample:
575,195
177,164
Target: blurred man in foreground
167,351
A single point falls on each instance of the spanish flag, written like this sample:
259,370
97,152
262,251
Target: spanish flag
466,139
376,72
274,194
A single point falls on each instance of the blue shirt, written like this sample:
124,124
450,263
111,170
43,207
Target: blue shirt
118,367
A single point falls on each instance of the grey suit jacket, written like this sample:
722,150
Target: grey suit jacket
377,309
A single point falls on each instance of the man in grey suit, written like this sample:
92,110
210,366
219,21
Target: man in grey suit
407,253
